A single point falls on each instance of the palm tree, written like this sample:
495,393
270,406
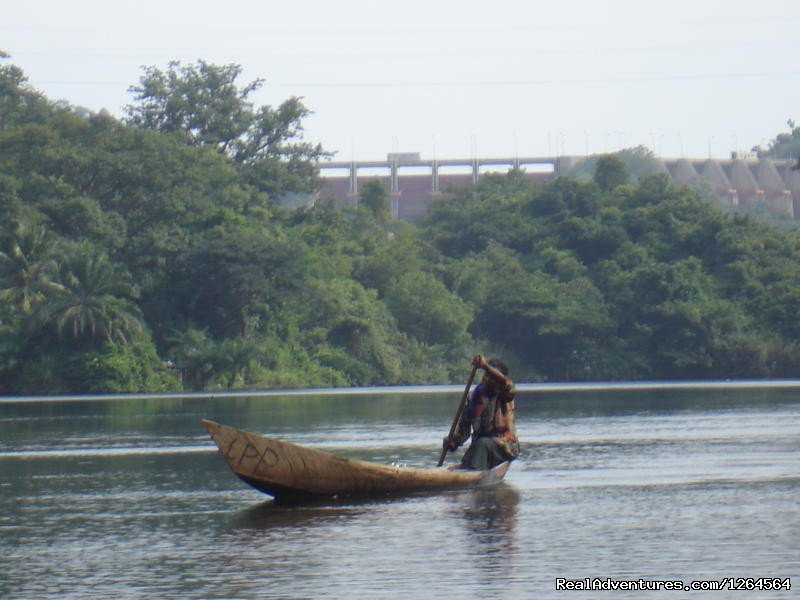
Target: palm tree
235,356
200,358
192,352
27,266
94,300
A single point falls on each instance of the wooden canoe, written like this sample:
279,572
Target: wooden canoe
288,471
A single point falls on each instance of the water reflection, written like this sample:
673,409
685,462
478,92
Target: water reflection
270,515
490,518
492,511
491,508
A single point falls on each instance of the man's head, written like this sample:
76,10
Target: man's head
499,365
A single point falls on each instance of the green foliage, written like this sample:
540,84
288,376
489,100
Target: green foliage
630,281
19,104
199,101
609,172
91,298
233,273
785,145
390,256
429,312
115,368
204,104
154,255
639,163
375,198
27,266
469,220
361,338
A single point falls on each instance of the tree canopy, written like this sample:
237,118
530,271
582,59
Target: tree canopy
784,145
154,254
204,104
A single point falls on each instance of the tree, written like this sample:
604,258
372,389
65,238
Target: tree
639,162
471,219
201,359
610,172
235,275
357,334
18,103
428,311
201,101
375,198
27,266
543,320
115,368
389,257
93,298
785,145
204,104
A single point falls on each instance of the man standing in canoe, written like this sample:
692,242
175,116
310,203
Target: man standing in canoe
489,418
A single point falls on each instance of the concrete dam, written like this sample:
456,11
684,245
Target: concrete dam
413,183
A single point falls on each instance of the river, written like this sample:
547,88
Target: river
127,497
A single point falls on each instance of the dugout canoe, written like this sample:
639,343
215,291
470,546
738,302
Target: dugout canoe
289,471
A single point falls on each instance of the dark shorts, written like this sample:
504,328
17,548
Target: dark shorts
483,454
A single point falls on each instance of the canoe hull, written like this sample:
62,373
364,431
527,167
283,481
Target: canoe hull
285,470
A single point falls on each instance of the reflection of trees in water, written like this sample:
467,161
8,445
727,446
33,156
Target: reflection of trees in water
491,518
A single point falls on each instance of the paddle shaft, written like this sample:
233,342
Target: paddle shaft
459,412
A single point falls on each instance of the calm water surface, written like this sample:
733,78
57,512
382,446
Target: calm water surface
130,499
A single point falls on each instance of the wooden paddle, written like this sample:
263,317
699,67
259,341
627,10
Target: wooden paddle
459,412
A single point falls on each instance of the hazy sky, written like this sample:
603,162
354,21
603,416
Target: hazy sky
449,78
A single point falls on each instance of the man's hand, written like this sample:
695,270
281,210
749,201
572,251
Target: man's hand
480,362
448,444
494,375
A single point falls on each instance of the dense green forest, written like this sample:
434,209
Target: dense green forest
152,253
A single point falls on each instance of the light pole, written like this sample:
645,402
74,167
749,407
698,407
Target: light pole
656,143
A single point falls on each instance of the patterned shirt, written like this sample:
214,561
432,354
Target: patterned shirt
490,413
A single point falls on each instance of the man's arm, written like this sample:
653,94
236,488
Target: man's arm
462,432
497,375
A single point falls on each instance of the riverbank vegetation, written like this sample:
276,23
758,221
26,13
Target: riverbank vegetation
153,253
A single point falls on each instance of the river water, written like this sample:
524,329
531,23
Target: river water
129,498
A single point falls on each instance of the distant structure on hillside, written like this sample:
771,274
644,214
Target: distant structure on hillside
413,183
